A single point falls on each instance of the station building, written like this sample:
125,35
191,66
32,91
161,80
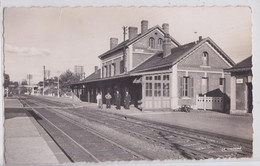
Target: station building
158,71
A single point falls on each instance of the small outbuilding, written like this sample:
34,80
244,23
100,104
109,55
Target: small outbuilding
241,87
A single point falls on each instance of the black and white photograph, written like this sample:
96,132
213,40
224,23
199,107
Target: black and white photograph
127,84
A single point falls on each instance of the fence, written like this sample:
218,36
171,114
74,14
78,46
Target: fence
209,103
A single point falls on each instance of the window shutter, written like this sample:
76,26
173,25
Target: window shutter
121,66
180,86
114,64
102,71
191,84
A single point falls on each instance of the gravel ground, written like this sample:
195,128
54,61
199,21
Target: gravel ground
231,125
151,150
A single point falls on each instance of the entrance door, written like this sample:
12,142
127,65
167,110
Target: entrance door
249,97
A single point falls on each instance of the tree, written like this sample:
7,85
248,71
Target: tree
6,81
66,79
24,82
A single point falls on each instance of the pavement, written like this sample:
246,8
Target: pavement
26,142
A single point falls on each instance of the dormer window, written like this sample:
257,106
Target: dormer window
160,42
205,59
151,42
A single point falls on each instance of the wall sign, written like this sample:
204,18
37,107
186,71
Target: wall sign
240,80
139,51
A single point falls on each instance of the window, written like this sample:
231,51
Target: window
103,71
157,89
166,90
109,70
205,58
149,78
157,77
160,43
113,71
148,89
106,67
221,81
166,77
186,87
151,42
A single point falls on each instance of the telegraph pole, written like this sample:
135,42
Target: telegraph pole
29,77
124,51
43,80
58,88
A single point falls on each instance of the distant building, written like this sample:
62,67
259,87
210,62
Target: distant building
79,70
158,71
241,87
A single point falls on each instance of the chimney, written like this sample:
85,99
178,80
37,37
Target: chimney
200,38
165,27
144,26
132,32
166,45
113,42
96,69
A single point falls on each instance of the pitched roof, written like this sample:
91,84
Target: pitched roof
129,42
177,54
244,65
215,93
157,61
93,76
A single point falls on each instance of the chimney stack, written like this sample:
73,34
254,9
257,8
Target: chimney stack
200,38
113,42
144,26
96,69
165,27
132,32
166,45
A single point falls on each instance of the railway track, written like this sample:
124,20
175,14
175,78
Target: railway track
191,144
62,131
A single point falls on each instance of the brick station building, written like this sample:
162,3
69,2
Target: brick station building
158,71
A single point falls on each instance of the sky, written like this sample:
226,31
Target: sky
61,38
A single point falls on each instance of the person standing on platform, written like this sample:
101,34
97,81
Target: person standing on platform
118,100
99,100
108,100
127,100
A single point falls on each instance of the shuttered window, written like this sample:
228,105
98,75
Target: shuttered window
186,87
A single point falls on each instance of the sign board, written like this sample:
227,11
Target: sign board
139,51
240,80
